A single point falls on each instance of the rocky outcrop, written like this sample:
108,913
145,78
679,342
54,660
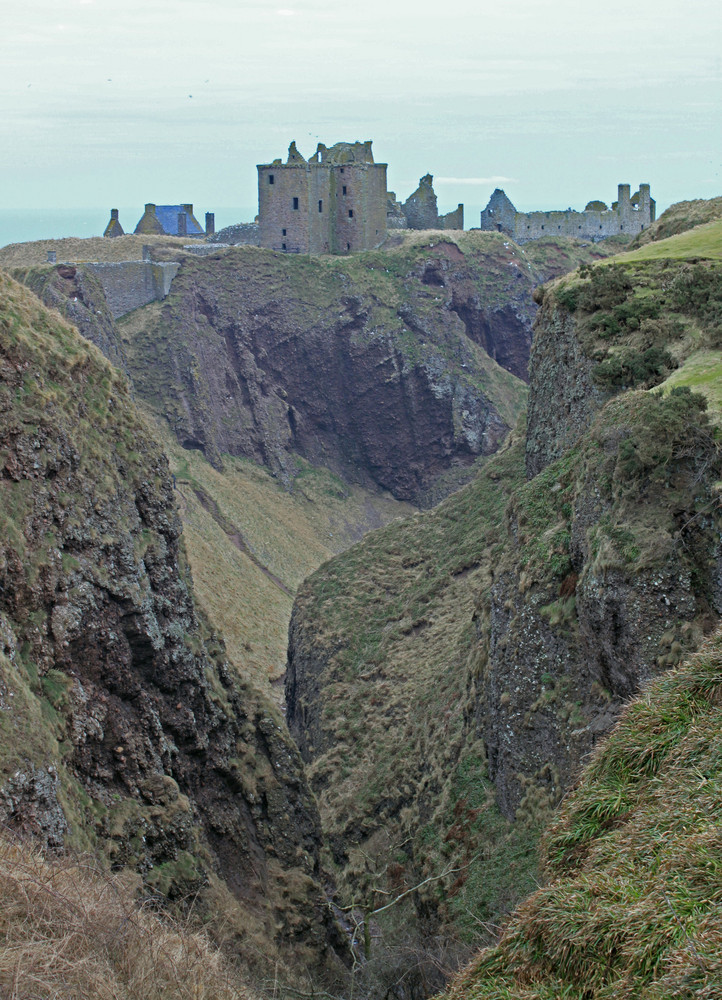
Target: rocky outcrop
129,728
79,296
500,634
610,575
370,366
564,397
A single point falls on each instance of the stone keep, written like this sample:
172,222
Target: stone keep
335,202
629,215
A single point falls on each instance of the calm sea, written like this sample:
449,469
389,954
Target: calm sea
20,225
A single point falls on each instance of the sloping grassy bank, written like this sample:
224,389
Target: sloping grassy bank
633,907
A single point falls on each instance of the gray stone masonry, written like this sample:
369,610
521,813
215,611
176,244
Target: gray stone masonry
628,215
131,284
335,202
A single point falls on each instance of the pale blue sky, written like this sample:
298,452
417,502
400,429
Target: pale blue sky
119,102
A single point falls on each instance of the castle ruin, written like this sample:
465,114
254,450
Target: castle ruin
334,202
420,210
629,215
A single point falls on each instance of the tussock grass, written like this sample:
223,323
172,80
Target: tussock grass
289,533
393,620
633,907
69,929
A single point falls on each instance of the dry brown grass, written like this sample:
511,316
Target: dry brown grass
69,930
96,248
289,533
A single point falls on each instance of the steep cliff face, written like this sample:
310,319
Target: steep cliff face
123,725
359,364
500,634
78,296
630,907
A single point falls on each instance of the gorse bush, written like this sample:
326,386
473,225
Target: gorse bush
630,368
697,290
670,437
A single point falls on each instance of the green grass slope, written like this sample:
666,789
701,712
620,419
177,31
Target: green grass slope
394,633
633,906
251,542
680,217
703,240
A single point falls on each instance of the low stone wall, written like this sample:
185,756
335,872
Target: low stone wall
131,284
237,235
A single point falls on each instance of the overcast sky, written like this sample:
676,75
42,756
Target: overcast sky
119,102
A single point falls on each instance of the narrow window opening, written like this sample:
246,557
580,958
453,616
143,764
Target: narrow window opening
320,206
344,189
348,246
542,227
283,232
350,213
600,227
283,246
295,202
270,178
342,169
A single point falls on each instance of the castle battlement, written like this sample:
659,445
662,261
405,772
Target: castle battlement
629,215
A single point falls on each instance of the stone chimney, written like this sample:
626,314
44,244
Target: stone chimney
182,223
210,223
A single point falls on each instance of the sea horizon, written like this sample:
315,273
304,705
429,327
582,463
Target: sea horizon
25,225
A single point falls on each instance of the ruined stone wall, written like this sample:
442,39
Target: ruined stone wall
131,284
452,220
240,233
625,217
420,208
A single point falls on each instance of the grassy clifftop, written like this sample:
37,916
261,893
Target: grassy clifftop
448,675
633,907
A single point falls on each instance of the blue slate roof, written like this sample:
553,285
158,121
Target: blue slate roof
167,215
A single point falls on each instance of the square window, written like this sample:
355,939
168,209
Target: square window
295,202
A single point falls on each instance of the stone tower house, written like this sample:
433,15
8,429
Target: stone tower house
334,202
